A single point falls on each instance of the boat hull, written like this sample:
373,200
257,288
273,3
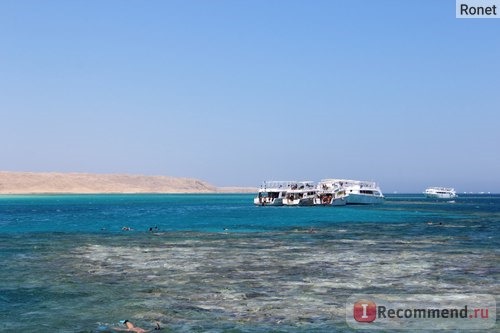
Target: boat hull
306,202
339,202
326,201
268,202
291,202
298,202
363,199
440,196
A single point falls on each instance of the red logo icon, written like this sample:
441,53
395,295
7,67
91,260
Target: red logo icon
364,311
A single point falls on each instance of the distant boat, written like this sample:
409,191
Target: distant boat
440,193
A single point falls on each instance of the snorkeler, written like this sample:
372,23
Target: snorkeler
132,328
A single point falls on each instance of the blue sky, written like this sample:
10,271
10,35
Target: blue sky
237,92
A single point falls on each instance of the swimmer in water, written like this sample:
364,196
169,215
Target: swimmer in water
130,327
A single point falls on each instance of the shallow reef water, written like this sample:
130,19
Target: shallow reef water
216,263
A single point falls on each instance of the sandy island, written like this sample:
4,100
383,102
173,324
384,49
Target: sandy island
52,182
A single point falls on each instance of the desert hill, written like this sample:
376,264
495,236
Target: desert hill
31,183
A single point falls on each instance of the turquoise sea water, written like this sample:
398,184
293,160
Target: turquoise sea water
216,263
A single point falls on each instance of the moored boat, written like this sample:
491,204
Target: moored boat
272,193
333,192
360,192
440,193
330,194
301,194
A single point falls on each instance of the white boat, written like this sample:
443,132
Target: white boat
272,193
300,194
330,194
440,193
359,192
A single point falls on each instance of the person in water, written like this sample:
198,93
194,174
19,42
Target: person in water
130,327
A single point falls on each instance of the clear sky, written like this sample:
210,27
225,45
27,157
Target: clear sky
237,92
